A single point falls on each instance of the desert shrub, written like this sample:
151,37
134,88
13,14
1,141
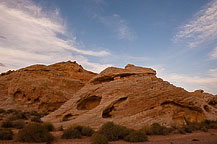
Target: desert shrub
87,131
7,123
145,129
211,124
34,113
18,115
19,124
99,139
181,131
34,132
194,126
71,133
11,111
36,119
48,126
136,136
157,129
2,110
188,129
78,127
60,128
6,134
204,129
113,132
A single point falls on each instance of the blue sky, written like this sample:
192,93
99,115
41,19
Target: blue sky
178,38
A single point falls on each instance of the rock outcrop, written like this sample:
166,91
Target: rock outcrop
42,88
133,97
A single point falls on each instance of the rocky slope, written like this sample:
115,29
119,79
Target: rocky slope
42,88
134,97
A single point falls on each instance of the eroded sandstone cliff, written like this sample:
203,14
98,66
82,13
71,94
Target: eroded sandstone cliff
134,97
42,88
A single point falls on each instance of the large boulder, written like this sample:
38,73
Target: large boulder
42,88
133,97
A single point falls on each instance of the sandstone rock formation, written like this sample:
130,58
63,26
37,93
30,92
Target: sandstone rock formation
133,97
42,88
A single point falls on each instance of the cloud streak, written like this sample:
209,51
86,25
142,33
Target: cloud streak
208,82
29,35
118,25
202,28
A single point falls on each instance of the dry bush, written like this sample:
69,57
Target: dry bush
136,136
71,133
34,132
6,134
99,139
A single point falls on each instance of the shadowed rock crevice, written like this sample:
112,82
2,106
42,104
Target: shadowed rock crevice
102,80
176,104
107,113
88,103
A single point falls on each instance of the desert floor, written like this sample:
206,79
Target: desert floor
197,137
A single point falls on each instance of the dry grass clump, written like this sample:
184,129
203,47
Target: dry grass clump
7,123
136,136
19,124
71,133
49,126
6,134
99,139
34,133
87,131
115,132
156,129
2,110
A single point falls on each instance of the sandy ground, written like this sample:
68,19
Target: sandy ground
197,137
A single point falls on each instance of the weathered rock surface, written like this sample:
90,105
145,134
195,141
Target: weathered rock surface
133,97
42,88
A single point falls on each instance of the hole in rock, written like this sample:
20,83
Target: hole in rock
89,103
102,79
107,113
206,108
67,117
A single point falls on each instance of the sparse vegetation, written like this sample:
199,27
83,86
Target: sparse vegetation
78,127
11,111
136,136
19,124
114,132
18,115
7,123
157,129
60,128
71,133
6,134
2,110
34,133
48,126
87,131
36,119
99,139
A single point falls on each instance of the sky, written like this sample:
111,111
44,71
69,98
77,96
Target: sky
177,38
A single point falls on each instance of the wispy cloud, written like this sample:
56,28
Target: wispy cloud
118,25
29,35
213,54
208,82
202,28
